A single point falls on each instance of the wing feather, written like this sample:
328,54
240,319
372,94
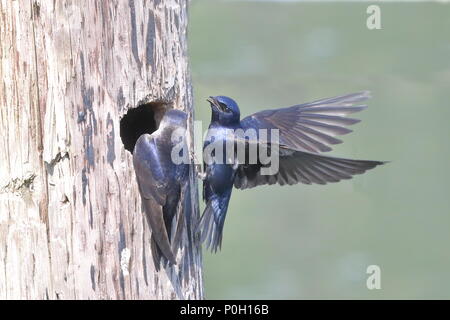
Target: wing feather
153,187
310,127
303,167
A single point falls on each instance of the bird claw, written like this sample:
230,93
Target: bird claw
200,175
198,166
194,158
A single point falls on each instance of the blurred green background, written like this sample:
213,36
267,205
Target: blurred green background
303,241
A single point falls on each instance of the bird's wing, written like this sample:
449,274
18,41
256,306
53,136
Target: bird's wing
310,127
153,186
149,170
302,167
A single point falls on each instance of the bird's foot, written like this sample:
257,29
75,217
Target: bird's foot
200,174
194,158
198,166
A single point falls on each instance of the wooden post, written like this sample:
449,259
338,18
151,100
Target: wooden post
71,223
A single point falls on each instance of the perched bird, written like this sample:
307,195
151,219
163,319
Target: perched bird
304,131
161,181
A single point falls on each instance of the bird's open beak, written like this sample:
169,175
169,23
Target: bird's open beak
214,103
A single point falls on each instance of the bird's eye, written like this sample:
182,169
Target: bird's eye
224,107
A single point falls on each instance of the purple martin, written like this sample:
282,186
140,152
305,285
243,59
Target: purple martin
304,131
161,181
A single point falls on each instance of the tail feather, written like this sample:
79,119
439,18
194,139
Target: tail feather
157,255
160,244
188,262
212,222
176,241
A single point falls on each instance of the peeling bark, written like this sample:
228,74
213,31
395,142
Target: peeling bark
71,222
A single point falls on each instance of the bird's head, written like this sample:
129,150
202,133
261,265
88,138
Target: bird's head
173,119
224,110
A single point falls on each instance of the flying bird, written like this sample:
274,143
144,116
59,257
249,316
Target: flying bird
161,181
304,131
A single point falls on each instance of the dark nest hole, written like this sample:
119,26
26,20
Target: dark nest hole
145,118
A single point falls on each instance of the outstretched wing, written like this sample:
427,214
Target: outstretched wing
310,127
154,188
302,167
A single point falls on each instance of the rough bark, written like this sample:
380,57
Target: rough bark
71,223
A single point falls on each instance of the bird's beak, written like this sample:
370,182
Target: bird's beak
213,102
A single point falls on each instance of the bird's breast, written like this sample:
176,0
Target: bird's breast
220,177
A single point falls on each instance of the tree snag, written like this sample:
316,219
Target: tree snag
71,222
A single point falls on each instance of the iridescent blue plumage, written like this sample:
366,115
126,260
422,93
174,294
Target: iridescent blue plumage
304,131
161,183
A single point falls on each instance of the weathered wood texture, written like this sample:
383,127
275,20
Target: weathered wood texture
71,224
